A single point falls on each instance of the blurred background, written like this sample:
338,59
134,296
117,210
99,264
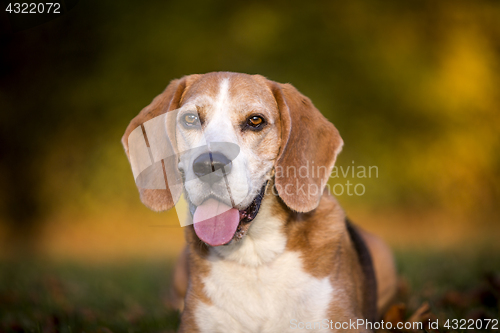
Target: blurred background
413,88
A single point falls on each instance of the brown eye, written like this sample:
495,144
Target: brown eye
190,120
255,122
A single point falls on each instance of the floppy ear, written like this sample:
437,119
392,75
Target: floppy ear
151,149
309,147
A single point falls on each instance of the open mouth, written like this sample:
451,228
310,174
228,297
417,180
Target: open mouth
217,224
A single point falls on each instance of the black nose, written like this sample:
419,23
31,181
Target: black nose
210,167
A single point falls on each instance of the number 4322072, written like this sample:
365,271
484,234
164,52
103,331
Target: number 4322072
472,324
34,8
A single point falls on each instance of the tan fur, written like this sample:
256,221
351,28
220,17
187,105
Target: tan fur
314,225
307,136
197,270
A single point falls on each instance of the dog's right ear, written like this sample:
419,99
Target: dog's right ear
152,174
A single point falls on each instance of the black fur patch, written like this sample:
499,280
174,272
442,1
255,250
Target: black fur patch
365,259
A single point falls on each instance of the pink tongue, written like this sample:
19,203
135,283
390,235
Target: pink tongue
215,223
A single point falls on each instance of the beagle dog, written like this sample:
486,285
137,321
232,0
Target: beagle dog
270,250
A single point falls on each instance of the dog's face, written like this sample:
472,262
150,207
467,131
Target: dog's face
233,134
237,119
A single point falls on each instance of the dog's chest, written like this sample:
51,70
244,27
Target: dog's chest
265,298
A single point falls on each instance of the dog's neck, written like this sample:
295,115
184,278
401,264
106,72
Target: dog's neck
265,239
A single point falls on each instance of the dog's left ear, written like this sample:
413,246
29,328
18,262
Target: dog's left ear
309,147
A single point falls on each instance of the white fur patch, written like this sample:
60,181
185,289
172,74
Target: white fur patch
222,98
264,299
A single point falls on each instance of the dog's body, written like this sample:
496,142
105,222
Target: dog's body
293,262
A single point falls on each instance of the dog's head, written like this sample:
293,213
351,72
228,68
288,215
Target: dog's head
227,136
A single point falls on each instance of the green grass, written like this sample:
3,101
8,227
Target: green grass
40,296
65,297
458,284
